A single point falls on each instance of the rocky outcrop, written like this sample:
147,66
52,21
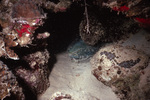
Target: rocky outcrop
104,28
37,76
121,68
9,86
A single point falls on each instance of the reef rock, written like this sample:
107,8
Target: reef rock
21,23
145,82
136,9
2,49
9,86
61,96
120,68
28,10
104,28
37,76
96,30
26,21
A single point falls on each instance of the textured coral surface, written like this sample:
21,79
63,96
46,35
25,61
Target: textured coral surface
37,77
120,68
26,9
19,19
8,84
96,30
104,28
137,9
60,96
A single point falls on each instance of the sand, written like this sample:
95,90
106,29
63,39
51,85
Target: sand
75,78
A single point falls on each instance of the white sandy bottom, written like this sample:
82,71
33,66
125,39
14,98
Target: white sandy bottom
76,79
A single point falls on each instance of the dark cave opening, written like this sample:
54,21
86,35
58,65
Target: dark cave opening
63,28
